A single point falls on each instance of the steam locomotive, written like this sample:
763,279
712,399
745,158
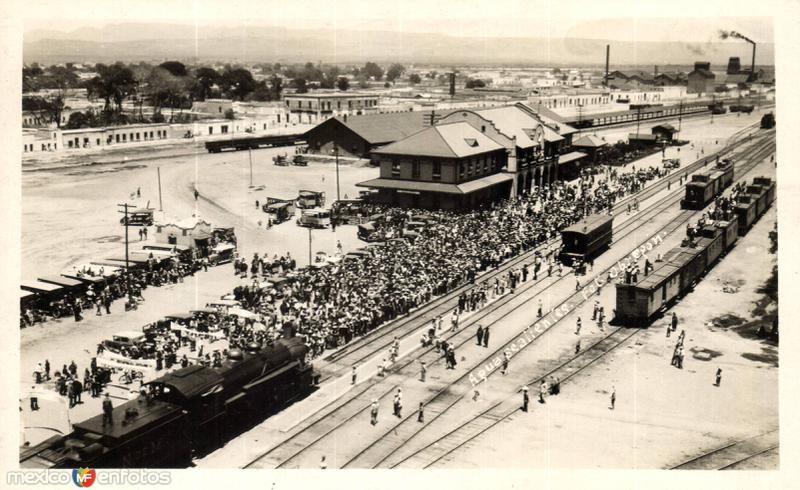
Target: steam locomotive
185,413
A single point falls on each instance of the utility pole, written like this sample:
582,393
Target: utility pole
580,113
309,247
336,152
160,204
250,154
638,116
127,265
680,115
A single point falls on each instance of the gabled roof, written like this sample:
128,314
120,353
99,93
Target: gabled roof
513,121
589,141
454,140
384,127
552,121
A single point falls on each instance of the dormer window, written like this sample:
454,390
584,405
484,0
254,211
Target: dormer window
471,142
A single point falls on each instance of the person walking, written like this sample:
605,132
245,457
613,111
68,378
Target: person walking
539,309
423,371
525,399
34,399
323,465
354,376
613,397
669,330
578,326
577,346
421,413
504,369
454,321
542,391
674,321
374,411
719,377
486,337
480,334
108,411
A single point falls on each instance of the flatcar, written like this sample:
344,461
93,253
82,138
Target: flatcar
586,239
185,413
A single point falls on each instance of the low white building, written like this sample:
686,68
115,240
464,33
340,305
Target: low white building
193,232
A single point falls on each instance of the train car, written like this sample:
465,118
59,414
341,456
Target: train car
185,413
691,261
767,183
726,167
711,240
698,194
638,303
760,195
768,121
586,239
730,232
745,212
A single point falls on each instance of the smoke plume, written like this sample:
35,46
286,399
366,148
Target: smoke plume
734,35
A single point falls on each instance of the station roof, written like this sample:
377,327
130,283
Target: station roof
381,128
570,157
455,140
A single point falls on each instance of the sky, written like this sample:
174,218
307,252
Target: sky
625,20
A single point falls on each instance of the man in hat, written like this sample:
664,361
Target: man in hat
480,334
423,370
613,397
504,369
717,383
374,411
486,336
353,376
421,413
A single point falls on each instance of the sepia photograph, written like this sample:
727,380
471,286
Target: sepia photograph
525,235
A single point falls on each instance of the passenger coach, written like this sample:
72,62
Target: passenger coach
586,239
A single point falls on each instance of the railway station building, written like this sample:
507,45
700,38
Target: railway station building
450,165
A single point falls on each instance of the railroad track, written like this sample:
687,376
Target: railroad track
382,337
408,428
733,454
346,411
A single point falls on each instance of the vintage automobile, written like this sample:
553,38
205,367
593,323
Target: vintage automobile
315,218
300,161
310,199
222,253
671,162
139,217
280,160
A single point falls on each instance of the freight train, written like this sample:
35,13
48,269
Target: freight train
640,300
185,413
707,185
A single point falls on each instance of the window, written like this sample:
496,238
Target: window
98,141
151,135
211,130
183,232
124,137
395,168
470,166
415,169
137,137
224,129
437,170
485,164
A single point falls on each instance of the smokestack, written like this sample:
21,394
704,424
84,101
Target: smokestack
753,65
452,84
608,55
655,71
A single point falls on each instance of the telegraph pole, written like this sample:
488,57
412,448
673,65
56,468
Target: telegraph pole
127,264
250,154
309,247
160,205
680,115
336,152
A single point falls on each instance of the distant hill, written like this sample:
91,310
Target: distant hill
134,42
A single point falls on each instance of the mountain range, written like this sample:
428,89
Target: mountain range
156,42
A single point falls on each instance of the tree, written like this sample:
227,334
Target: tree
394,72
115,82
475,83
414,79
204,79
237,83
299,84
176,68
371,70
276,84
342,83
55,106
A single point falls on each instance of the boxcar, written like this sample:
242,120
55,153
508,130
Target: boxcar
586,239
760,197
745,212
712,242
691,262
769,185
730,231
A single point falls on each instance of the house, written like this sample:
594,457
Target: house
317,106
664,132
193,232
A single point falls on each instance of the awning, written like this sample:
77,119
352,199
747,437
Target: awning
570,157
412,185
484,182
